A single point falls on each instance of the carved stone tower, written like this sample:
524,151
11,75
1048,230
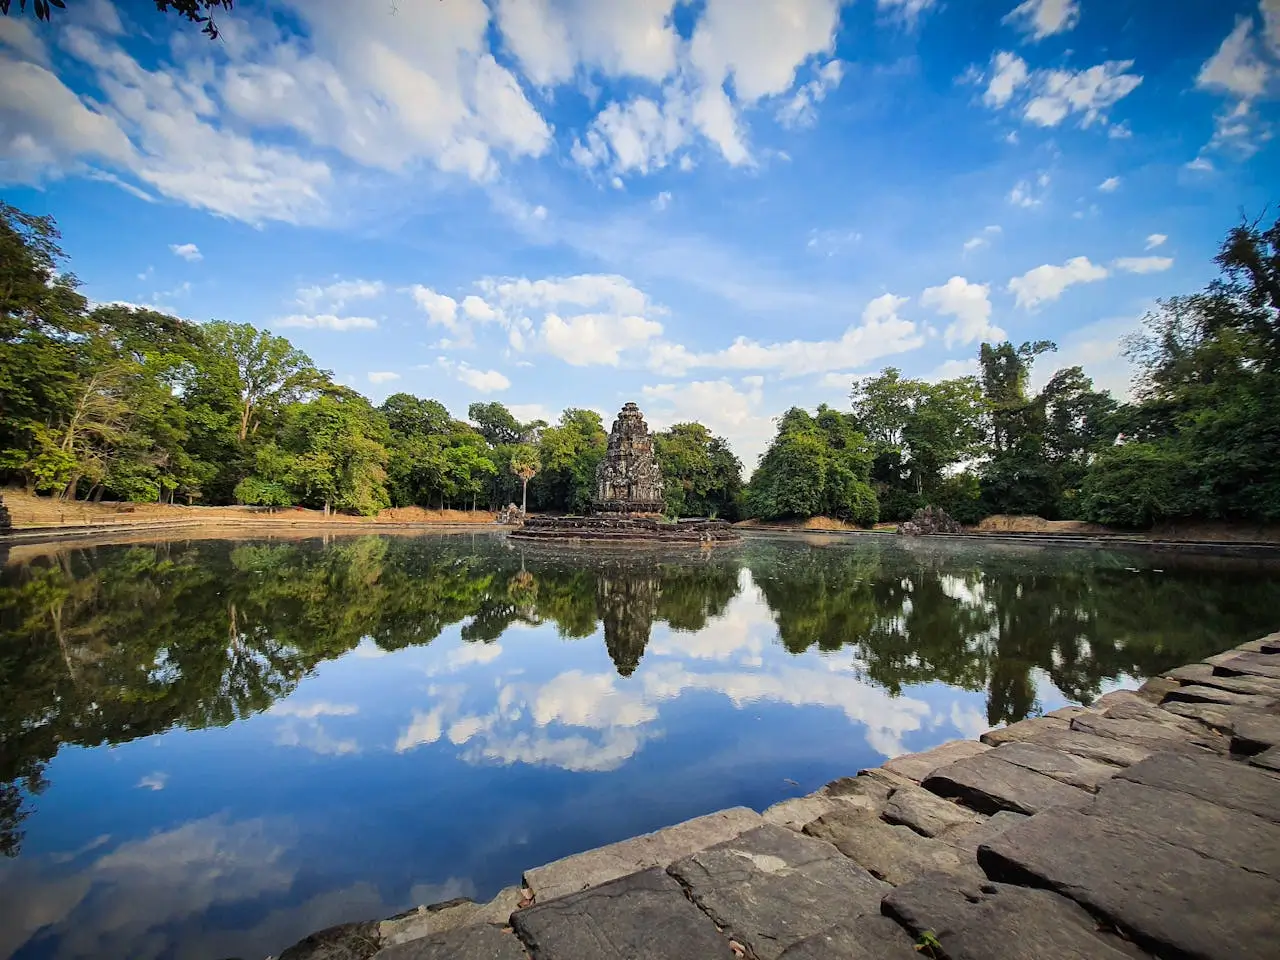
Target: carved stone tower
628,479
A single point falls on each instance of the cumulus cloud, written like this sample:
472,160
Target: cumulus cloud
908,10
731,410
1239,71
187,251
800,109
970,305
1143,264
441,309
481,381
333,297
1048,97
1008,73
382,376
1156,240
1044,18
326,321
1047,282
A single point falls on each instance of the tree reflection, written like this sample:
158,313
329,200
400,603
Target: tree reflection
104,645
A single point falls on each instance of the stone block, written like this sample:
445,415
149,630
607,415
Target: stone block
770,888
876,783
968,841
1200,693
1203,674
917,766
1118,698
1267,760
1255,732
1064,767
1227,783
1023,730
987,785
1215,716
476,942
994,921
1155,689
644,916
1150,735
1115,752
796,812
594,867
1254,664
926,813
1165,898
346,941
864,937
890,852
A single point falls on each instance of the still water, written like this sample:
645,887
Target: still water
211,748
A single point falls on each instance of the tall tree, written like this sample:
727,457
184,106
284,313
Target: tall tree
525,465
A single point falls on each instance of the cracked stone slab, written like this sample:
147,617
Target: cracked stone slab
1267,760
1155,689
770,888
995,921
988,784
644,916
1024,730
1255,732
1150,735
1166,898
864,937
968,841
926,813
441,917
1227,783
917,766
892,853
658,849
1115,752
1064,767
1221,833
875,783
1200,693
798,811
1256,664
1200,673
1215,716
476,942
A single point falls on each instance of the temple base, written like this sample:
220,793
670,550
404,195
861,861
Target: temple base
623,528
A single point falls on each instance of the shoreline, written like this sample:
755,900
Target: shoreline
1145,823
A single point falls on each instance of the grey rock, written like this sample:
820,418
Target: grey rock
876,783
1064,767
1255,732
796,812
476,942
1221,833
594,867
865,937
1155,689
895,854
645,916
1225,782
1119,698
1267,759
1255,664
1023,730
1115,752
926,813
1067,713
968,841
770,888
1215,716
917,766
987,784
1166,899
346,941
1200,673
1200,693
1140,710
1150,735
994,921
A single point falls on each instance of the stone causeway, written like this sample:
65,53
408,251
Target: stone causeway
1145,825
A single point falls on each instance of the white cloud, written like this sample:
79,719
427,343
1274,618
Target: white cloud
1238,71
881,333
154,781
1026,194
661,201
1048,97
441,309
727,409
1143,264
1271,24
332,297
982,239
799,110
382,376
1008,74
970,305
1200,164
953,368
187,251
908,10
1156,240
477,309
1109,185
640,136
482,381
1044,18
1047,282
326,321
1236,67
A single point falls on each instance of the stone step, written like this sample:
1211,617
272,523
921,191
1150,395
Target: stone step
661,848
918,766
988,784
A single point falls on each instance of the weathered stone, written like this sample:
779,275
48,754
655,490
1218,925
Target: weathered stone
1270,643
770,888
346,941
926,813
864,937
1115,752
994,921
1023,730
644,916
424,921
1140,710
917,766
929,521
1227,783
628,479
1118,698
1066,713
1162,896
968,841
476,942
594,867
1251,646
1215,716
1155,689
1257,664
1064,767
1267,759
1200,673
1199,693
796,812
987,785
875,783
1149,735
1221,833
1255,732
895,854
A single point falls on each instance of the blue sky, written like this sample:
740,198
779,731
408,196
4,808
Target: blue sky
719,209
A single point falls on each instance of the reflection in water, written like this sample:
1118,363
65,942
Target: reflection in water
113,645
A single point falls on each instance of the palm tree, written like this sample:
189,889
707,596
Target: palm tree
525,465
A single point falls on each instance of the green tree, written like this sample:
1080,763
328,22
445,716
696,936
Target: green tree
525,465
570,452
701,477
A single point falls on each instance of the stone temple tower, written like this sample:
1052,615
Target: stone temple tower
628,479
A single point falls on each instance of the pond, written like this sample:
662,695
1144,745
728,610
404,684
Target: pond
211,748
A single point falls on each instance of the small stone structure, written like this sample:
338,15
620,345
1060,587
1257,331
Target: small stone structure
628,503
928,521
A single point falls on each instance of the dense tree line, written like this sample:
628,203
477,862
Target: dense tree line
1198,441
116,402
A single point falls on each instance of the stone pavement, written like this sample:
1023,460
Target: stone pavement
1147,825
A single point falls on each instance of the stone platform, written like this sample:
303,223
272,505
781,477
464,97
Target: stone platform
621,530
1146,825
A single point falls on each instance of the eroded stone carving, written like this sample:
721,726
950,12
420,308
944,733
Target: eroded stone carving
628,479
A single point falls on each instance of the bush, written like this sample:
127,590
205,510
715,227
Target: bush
898,504
1135,485
961,497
